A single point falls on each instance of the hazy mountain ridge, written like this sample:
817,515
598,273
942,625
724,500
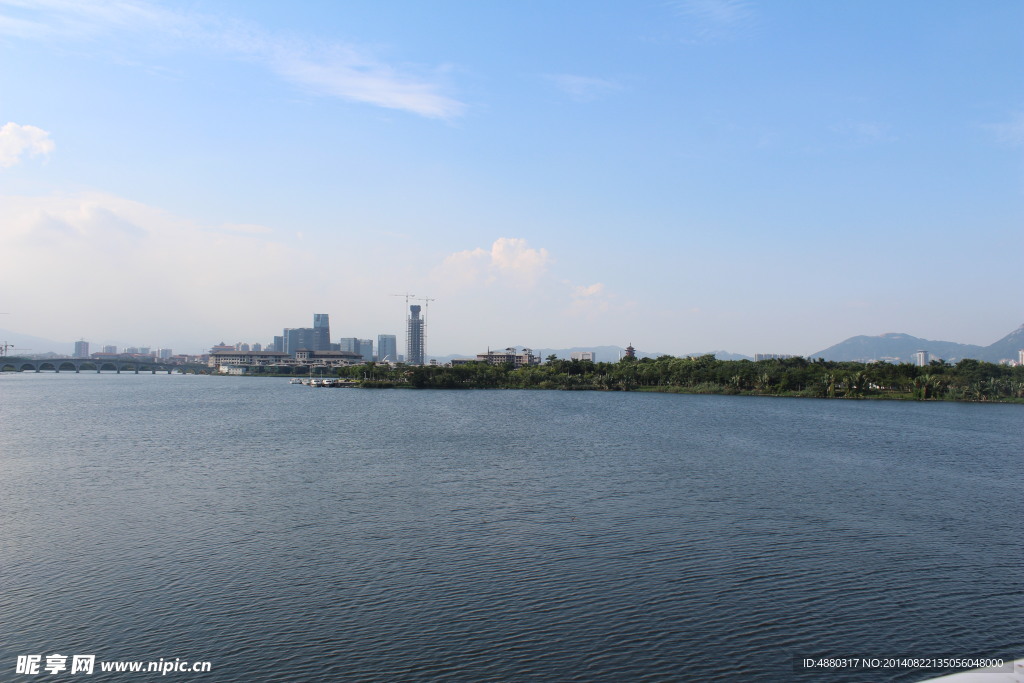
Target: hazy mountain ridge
900,347
27,345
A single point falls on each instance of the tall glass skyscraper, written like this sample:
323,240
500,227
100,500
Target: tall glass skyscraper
321,332
387,348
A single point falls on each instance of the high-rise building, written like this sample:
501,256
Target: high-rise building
110,349
922,358
278,344
414,337
387,348
348,344
81,349
321,332
298,338
365,349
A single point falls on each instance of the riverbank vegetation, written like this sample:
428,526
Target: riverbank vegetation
968,380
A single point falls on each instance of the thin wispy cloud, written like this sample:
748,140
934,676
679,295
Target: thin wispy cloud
337,70
864,132
709,21
38,19
349,75
583,88
1010,132
17,142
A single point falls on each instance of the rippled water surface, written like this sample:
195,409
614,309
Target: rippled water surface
288,533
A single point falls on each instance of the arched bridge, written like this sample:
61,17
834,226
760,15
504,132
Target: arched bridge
90,365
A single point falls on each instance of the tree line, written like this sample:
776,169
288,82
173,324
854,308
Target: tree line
967,380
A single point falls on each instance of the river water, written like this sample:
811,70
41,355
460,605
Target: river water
287,533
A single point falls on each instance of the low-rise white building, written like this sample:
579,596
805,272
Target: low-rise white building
509,355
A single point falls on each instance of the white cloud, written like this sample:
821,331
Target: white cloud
101,265
864,132
339,70
589,301
583,88
713,20
344,72
17,141
1011,132
509,259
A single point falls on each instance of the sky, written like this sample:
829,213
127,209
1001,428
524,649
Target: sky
682,175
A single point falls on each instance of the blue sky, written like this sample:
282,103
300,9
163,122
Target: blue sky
685,175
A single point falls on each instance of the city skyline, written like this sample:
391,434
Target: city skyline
686,175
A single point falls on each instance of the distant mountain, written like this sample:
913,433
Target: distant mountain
900,348
27,345
1007,348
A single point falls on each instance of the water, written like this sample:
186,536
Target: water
286,533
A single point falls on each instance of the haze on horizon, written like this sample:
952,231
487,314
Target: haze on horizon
682,175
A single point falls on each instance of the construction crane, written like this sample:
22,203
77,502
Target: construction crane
5,347
407,298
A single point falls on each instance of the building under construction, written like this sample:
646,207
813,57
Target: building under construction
414,334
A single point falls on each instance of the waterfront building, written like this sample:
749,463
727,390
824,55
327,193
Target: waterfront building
387,347
509,356
327,359
321,332
296,338
414,336
81,349
771,356
222,359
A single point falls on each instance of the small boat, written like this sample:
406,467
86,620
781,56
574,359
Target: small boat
316,382
295,380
